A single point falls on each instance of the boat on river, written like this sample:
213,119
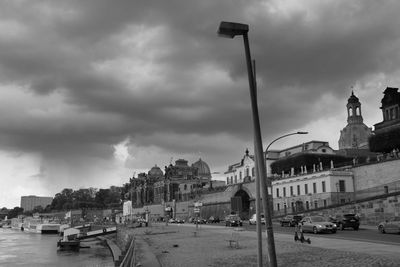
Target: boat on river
48,228
17,223
70,240
30,224
38,226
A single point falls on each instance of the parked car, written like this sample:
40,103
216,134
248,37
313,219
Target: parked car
200,220
291,220
317,224
233,220
172,220
391,225
253,219
343,221
213,219
179,220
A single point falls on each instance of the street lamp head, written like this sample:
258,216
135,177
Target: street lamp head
231,29
302,132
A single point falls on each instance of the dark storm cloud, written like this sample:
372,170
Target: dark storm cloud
156,73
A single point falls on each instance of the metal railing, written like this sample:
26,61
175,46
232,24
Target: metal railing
129,259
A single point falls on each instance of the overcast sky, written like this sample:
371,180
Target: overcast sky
92,92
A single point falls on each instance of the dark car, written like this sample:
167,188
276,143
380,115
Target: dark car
349,220
291,220
199,221
213,219
179,220
233,220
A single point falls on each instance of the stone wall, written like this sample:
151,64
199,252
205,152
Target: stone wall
124,237
371,212
371,179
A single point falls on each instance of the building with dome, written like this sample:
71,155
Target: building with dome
353,139
203,171
179,182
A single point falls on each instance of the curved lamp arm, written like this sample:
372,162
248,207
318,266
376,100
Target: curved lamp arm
283,136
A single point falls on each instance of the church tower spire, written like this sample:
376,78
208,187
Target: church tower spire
354,110
355,134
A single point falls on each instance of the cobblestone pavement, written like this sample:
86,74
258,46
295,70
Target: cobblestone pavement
176,245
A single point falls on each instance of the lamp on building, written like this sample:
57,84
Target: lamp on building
230,30
337,193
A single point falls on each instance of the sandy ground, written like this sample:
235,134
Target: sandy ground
176,245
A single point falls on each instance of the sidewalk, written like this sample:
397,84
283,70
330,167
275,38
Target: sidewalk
176,245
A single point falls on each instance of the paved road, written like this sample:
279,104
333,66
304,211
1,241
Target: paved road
363,234
367,234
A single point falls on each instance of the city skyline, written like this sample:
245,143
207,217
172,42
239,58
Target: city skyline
94,91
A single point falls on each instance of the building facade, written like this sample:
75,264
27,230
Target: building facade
312,190
28,203
390,111
179,182
243,171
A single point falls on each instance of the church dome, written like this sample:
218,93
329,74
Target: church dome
155,172
353,98
204,170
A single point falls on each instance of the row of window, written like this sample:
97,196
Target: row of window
231,180
391,113
298,206
341,187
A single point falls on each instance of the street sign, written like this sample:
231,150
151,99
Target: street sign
196,210
198,204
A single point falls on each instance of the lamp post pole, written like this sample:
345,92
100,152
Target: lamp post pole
230,29
258,194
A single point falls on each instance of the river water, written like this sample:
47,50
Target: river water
19,248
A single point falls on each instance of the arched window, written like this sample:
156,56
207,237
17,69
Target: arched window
252,172
358,111
350,112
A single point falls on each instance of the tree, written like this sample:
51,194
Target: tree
15,212
109,197
38,209
61,199
385,142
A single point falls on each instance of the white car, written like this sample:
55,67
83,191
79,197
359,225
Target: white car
317,224
391,225
253,219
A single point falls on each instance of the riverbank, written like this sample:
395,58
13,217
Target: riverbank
177,245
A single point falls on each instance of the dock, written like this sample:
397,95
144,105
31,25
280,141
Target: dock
95,233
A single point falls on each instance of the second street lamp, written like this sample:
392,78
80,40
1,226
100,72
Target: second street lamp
230,30
266,150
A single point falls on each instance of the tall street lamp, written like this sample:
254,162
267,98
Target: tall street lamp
230,30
